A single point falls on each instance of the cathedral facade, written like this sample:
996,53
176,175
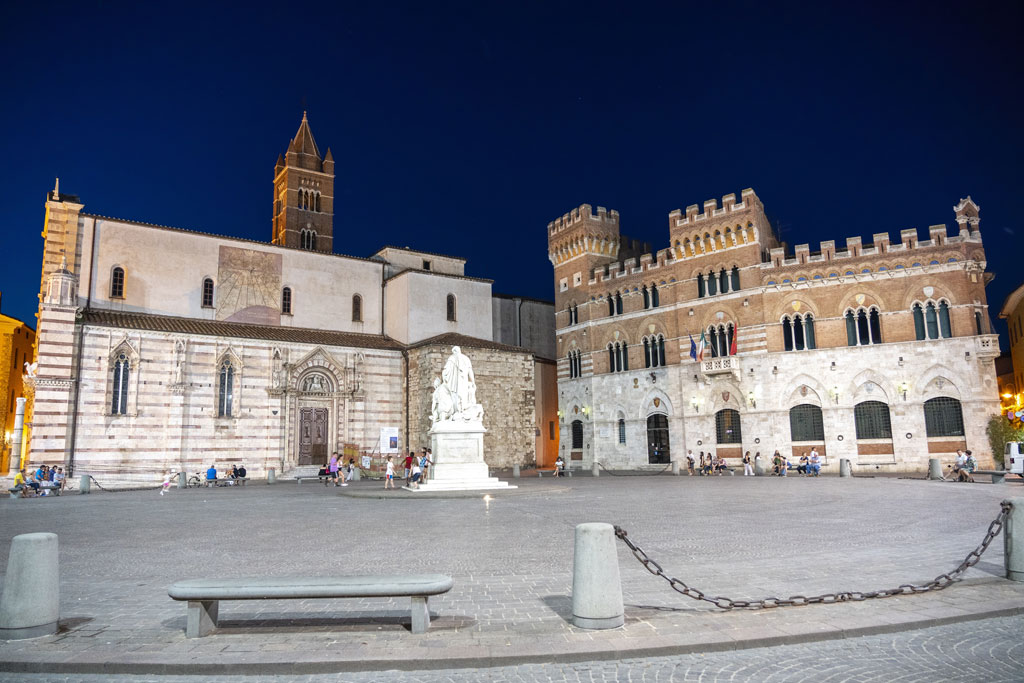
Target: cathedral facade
724,341
162,349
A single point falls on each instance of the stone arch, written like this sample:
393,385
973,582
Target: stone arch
786,308
618,334
870,299
319,359
719,400
729,315
864,384
918,295
647,406
816,391
937,381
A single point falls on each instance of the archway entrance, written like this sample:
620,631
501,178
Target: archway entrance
657,439
313,436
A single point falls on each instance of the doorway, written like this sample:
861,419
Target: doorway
658,452
312,436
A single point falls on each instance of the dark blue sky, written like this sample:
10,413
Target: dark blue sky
465,128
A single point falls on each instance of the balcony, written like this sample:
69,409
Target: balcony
988,346
722,365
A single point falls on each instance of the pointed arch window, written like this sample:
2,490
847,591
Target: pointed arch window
735,275
208,293
317,202
647,297
944,327
919,331
931,321
863,327
723,281
611,305
622,430
450,305
286,301
357,308
117,283
655,298
226,389
308,239
701,291
618,303
121,378
712,284
577,434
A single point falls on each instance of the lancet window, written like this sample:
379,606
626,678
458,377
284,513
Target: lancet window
798,332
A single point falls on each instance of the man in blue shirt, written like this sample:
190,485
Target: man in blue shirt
211,476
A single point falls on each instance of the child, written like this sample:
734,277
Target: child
417,473
166,485
389,475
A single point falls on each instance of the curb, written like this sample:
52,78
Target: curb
468,662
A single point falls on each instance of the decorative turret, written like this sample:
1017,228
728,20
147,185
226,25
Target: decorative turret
967,216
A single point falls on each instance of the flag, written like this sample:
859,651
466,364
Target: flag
732,347
693,348
700,347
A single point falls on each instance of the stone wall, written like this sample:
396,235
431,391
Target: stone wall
505,389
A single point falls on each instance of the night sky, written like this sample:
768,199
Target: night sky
465,129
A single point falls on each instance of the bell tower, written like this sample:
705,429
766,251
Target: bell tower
304,195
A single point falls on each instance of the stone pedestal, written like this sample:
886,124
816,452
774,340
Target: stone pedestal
458,453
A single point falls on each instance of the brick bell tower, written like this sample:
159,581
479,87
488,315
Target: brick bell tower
304,194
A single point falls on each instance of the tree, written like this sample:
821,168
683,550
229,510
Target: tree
1000,431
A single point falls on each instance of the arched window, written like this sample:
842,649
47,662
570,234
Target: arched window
701,293
611,305
317,202
943,416
451,308
931,321
871,419
286,300
720,339
357,308
723,281
117,283
863,327
805,423
919,331
575,364
944,327
618,303
735,279
712,284
208,293
787,333
809,341
661,350
622,430
226,393
647,353
654,296
647,297
122,375
624,355
577,434
727,427
612,356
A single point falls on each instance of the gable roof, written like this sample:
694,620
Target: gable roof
303,142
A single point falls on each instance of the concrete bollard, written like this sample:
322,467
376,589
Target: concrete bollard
515,471
758,468
182,481
934,469
83,484
1013,540
271,475
30,605
356,475
844,467
595,469
596,587
675,467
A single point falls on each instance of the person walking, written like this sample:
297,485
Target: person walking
351,471
689,463
748,469
167,483
417,472
409,457
389,474
332,468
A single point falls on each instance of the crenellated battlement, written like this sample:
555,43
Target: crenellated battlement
693,214
584,212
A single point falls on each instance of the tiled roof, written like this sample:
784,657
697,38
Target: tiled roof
453,339
215,328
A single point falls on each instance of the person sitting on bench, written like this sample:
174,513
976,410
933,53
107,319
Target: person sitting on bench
559,467
966,472
211,476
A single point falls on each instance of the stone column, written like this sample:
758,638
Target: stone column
934,469
30,605
596,587
19,428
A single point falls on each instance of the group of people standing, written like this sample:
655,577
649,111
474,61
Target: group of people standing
338,472
416,469
707,465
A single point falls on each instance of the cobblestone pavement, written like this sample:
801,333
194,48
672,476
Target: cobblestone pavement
990,650
511,558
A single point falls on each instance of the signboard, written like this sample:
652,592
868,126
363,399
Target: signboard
389,439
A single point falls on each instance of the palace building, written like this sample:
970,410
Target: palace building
881,353
163,349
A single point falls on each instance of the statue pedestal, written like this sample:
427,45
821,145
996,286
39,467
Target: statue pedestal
458,455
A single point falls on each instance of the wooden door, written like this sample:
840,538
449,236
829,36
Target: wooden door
313,436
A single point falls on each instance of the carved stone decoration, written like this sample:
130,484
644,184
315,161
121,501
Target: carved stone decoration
316,383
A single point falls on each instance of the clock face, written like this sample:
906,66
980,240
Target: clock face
249,288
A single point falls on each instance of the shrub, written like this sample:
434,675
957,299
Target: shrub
1000,431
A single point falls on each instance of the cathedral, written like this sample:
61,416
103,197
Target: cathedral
725,341
164,349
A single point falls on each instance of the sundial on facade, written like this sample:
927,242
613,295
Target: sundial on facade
250,286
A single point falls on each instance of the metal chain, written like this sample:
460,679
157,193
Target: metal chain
938,583
634,474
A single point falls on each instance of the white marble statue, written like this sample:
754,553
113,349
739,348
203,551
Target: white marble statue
30,368
454,395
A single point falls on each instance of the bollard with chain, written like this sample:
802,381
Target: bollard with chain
938,583
1013,540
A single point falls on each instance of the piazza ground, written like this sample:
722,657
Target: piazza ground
511,558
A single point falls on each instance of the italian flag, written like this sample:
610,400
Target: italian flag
735,336
700,347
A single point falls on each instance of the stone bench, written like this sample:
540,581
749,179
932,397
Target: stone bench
204,595
318,477
564,473
998,476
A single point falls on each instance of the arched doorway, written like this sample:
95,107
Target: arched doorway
658,452
315,402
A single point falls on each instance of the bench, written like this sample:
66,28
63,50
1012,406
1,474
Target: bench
564,473
53,490
204,595
998,476
321,478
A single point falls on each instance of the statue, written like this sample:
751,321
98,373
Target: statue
455,391
30,368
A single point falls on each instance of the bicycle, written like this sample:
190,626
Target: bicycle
196,481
